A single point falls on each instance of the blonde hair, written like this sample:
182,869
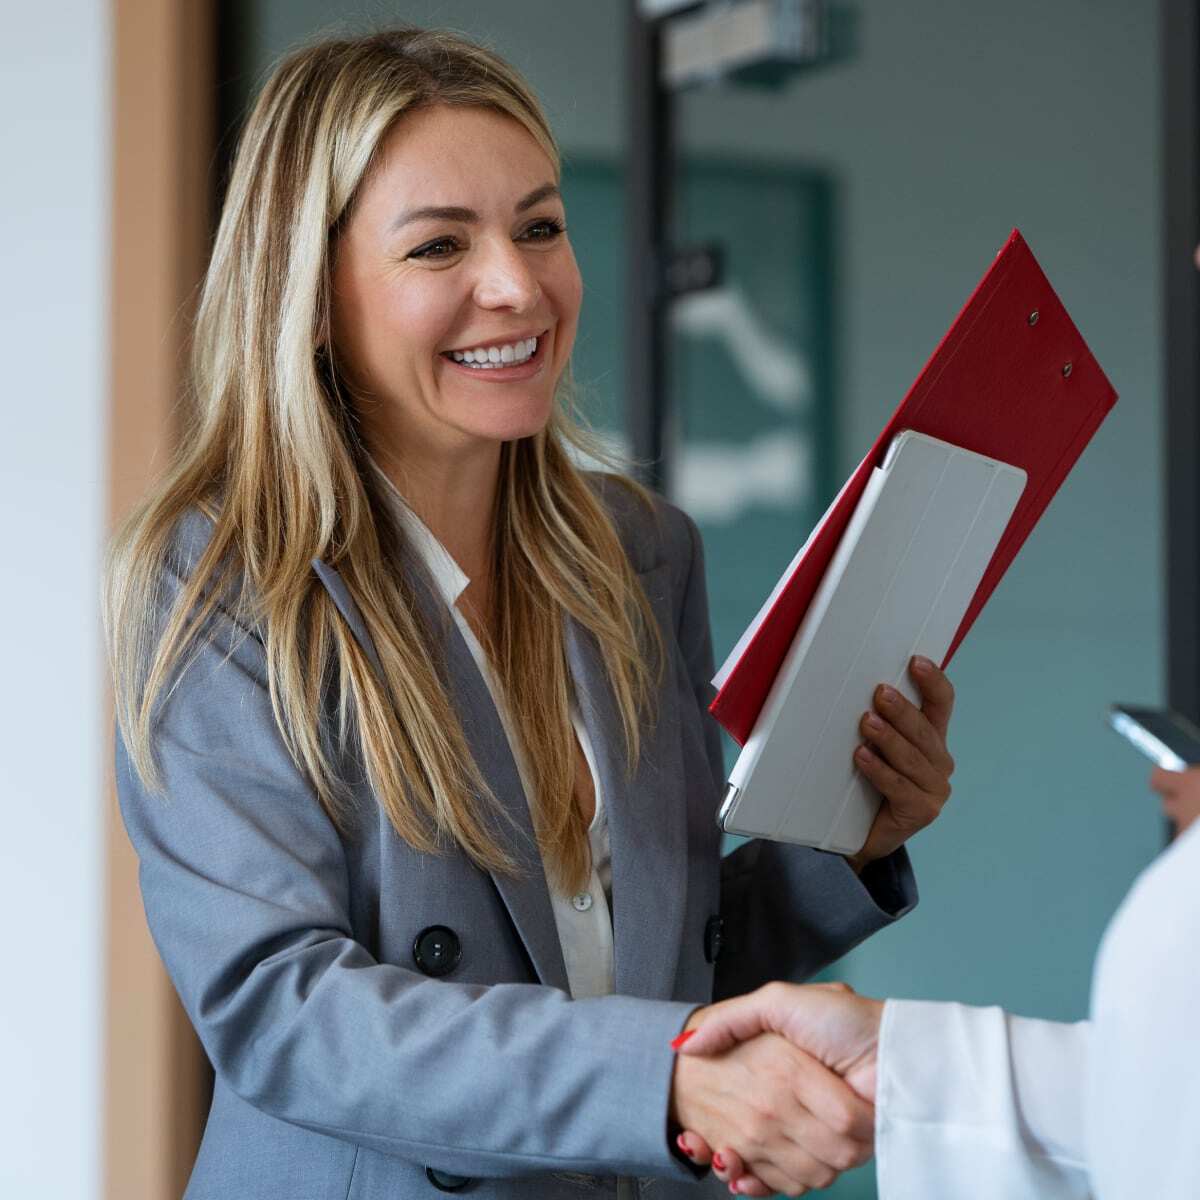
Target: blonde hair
273,457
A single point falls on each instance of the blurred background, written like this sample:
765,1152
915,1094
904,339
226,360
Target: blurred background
778,208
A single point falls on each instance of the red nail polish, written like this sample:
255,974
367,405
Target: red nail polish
683,1037
718,1161
684,1146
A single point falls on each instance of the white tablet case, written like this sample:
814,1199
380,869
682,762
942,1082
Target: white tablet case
899,584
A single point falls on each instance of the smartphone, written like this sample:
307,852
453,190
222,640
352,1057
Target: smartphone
1165,737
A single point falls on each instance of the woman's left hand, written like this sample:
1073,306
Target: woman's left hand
905,757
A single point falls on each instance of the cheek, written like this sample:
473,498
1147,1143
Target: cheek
401,324
566,286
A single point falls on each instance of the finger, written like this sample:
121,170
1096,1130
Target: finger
937,693
695,1147
733,1172
749,1185
842,1122
909,807
727,1164
834,1151
777,1133
914,725
727,1024
777,1183
901,754
797,1175
1163,782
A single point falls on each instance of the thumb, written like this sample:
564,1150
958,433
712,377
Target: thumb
1163,781
723,1026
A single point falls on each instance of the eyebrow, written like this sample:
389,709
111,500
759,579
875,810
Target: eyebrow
468,215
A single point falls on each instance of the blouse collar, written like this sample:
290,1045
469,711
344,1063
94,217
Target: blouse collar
450,578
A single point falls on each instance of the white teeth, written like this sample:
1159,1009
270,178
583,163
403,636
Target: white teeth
495,356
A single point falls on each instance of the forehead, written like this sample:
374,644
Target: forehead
448,155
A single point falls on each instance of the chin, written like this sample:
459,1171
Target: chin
513,425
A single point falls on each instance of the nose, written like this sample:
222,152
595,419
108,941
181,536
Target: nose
505,280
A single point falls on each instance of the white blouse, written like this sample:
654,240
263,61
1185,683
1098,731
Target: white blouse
976,1102
583,918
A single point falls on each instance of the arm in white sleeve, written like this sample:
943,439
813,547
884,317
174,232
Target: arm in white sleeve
1144,1100
976,1102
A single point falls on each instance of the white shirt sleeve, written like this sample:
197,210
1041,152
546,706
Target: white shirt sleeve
1143,1105
974,1102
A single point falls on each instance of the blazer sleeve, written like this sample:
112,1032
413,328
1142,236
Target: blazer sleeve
245,887
788,911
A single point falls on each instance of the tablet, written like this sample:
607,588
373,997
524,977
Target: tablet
903,575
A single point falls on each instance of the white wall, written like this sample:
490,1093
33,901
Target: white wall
54,214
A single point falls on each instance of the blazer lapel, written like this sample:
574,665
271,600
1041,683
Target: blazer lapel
525,894
646,813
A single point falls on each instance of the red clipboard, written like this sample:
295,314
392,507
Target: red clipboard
1012,379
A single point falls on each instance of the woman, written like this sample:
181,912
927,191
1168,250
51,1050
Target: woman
414,749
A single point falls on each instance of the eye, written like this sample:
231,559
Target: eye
545,231
442,248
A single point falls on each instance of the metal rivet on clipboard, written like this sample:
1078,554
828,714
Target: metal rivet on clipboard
1066,370
1033,317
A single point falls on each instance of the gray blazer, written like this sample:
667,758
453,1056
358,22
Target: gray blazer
347,1067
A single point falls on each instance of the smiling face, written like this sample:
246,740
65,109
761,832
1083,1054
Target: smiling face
455,253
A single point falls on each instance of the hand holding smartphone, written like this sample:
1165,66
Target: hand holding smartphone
1165,737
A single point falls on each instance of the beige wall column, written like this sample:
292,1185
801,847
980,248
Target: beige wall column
163,141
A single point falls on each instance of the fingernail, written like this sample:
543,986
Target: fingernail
864,755
684,1146
889,695
683,1037
922,663
873,722
718,1161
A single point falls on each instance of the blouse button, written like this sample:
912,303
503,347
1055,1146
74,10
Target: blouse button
582,902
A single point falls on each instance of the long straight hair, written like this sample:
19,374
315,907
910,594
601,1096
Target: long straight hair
273,456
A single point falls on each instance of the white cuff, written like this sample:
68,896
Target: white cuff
973,1102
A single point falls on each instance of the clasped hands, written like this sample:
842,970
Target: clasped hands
777,1088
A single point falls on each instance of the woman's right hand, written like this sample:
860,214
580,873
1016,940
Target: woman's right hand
829,1021
795,1124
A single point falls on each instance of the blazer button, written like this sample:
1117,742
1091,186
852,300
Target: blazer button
437,950
445,1182
714,938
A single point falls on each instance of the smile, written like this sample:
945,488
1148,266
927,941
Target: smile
507,362
489,358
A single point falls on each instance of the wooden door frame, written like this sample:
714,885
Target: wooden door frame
163,121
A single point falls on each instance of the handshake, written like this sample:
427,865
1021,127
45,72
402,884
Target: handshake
776,1089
